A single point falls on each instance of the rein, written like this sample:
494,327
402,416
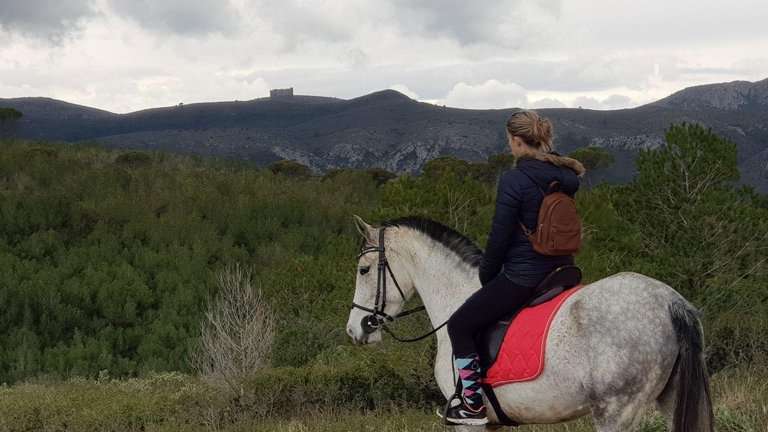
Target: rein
378,318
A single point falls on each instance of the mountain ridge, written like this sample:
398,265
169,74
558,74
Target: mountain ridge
731,95
390,130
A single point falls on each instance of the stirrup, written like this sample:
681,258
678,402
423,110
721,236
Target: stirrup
446,407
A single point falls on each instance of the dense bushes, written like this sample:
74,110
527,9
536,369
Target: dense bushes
108,268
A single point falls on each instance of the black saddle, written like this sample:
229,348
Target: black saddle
491,337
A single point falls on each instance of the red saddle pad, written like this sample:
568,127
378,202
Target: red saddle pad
521,357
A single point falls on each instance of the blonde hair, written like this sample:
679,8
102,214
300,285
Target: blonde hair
533,129
536,132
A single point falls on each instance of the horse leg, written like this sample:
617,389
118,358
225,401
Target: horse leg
666,402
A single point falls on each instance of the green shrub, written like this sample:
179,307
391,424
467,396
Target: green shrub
290,169
653,423
593,157
731,421
380,175
133,160
287,391
166,399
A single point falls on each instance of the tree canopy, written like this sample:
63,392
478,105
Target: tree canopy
9,117
593,157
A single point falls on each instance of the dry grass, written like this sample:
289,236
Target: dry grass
174,402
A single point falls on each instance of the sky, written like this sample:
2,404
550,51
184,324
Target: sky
129,55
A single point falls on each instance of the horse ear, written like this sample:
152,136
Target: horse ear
363,228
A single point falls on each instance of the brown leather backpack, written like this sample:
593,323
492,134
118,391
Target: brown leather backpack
558,230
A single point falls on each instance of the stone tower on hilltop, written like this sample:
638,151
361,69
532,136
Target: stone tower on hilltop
281,93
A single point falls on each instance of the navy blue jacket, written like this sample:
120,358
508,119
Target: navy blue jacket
518,199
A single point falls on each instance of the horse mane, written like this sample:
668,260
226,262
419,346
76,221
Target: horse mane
466,249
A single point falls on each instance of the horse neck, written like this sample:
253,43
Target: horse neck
441,278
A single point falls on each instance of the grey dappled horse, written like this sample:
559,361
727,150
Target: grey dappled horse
615,348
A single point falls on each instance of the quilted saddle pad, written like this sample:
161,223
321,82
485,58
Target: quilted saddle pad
521,357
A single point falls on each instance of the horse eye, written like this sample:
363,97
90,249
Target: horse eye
364,270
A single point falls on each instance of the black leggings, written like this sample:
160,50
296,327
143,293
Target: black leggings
494,300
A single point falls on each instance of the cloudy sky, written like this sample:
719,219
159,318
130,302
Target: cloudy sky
127,55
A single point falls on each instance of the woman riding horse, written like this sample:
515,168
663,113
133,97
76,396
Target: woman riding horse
511,269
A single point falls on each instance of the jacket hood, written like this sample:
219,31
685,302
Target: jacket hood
557,160
545,168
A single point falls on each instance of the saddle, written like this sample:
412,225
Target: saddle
491,337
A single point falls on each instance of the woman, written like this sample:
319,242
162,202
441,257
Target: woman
511,269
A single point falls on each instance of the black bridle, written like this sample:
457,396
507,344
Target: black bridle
378,318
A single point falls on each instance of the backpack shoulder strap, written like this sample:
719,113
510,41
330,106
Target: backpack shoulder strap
526,231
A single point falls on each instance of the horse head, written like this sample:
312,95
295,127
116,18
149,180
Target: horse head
382,286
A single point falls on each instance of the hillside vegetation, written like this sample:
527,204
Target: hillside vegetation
108,260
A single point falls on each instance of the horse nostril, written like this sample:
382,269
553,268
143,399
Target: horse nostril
350,332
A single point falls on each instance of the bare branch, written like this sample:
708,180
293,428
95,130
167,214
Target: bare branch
237,333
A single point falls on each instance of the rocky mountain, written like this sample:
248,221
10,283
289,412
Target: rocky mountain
389,130
726,96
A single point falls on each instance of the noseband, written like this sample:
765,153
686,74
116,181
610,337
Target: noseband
378,318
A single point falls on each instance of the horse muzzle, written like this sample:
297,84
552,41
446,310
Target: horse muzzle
366,333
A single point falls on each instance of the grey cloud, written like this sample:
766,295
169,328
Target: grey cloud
51,20
182,17
584,73
587,102
508,23
297,21
467,22
547,103
618,102
436,82
356,58
612,102
505,23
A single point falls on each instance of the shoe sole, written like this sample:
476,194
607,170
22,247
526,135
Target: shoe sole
468,422
461,422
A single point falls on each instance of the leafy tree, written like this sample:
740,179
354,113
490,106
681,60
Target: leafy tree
698,232
593,157
684,202
694,161
380,175
133,160
290,168
446,164
490,171
461,203
9,117
502,161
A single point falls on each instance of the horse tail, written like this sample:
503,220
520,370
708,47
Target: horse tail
693,402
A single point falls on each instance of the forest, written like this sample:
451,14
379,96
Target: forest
108,261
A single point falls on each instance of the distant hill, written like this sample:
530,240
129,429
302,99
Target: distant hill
389,130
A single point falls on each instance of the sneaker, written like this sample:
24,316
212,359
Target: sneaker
464,414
